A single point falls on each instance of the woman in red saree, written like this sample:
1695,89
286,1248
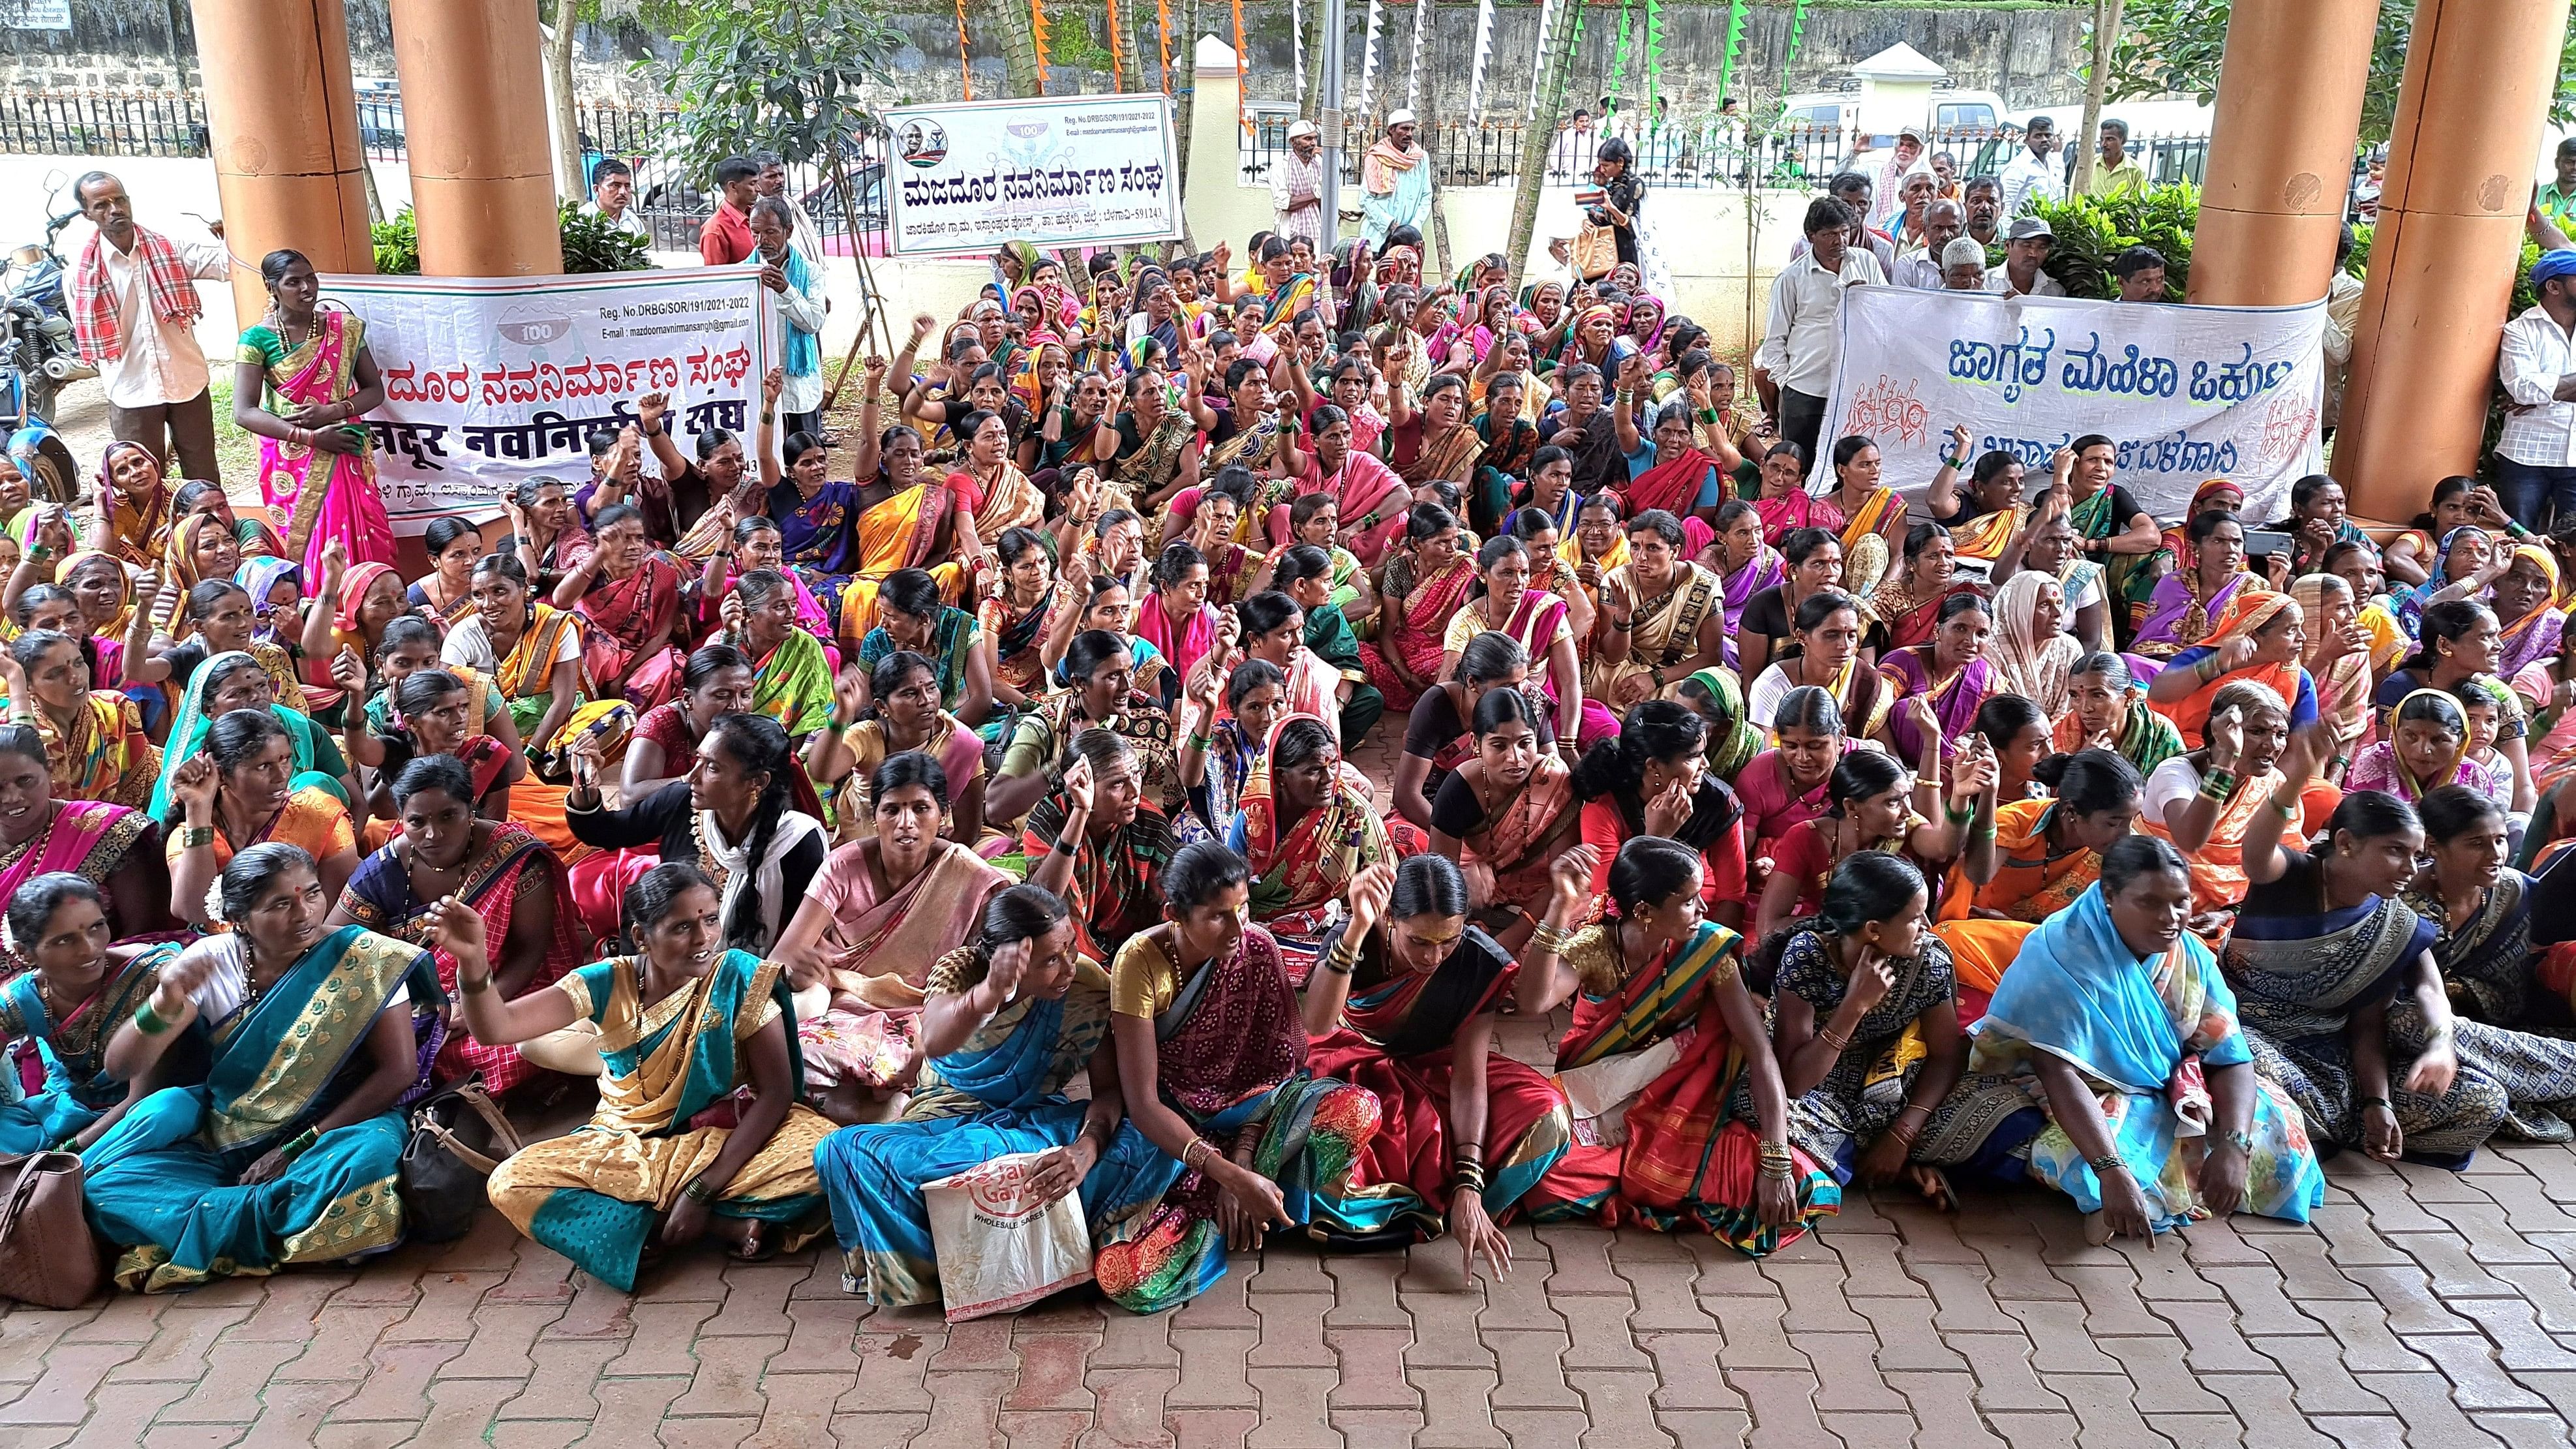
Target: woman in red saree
1374,499
1406,1006
1663,1028
1540,622
1421,593
504,873
629,598
301,376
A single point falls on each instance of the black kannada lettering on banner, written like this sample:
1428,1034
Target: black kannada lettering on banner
1042,183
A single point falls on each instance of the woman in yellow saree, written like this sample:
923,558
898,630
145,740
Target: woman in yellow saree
2039,856
677,1151
905,519
531,650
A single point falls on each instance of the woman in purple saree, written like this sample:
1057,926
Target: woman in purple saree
1951,674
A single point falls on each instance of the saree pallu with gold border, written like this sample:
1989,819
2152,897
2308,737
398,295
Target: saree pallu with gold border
1232,1060
1395,1040
2029,886
165,1182
324,496
1682,1165
598,1194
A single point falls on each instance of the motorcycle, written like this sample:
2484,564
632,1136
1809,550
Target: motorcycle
38,358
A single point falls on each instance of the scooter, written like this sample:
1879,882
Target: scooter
38,358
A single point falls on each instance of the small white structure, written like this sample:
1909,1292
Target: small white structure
1896,88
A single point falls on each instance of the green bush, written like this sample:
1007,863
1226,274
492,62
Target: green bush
590,244
2093,230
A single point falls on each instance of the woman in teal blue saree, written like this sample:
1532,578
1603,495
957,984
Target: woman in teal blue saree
1011,1017
68,1001
701,1131
286,1153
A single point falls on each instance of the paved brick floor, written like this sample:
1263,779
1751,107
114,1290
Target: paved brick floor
2424,1309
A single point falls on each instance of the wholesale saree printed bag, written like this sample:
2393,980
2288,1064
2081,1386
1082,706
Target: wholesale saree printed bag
1000,1248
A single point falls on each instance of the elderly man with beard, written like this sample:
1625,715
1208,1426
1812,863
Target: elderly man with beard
1943,223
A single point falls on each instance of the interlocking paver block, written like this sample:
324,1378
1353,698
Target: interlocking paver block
2432,1417
663,1335
1293,1408
2165,1384
1051,1370
1533,1370
1784,1409
1129,1405
2058,1339
399,1386
1371,1363
228,1390
177,1351
1687,1374
1213,1368
1621,1410
2005,1380
73,1373
1907,1341
563,1382
1945,1405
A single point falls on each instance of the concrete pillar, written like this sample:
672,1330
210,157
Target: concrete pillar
2477,89
474,120
2280,150
284,128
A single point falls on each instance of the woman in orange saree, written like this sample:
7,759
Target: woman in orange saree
2260,636
1659,994
2041,855
1907,602
1860,504
2203,801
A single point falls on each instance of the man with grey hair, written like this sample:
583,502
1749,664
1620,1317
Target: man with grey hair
1925,266
1963,265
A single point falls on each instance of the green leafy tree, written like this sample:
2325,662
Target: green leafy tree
2178,45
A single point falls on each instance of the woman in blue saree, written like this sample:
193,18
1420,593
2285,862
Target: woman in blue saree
68,1002
286,1153
701,1129
2109,1066
1011,1017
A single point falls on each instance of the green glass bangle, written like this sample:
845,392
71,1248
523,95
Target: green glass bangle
148,1021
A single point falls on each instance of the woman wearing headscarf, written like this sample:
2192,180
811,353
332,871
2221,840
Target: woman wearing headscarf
2032,653
2261,636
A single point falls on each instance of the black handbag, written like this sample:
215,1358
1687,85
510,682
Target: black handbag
458,1135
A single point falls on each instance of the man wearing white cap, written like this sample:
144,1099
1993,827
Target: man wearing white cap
1887,201
1297,186
1395,184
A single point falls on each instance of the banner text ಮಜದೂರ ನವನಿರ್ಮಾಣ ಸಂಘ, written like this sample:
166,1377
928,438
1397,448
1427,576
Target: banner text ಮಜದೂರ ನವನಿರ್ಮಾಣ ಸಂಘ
2186,393
1065,170
492,381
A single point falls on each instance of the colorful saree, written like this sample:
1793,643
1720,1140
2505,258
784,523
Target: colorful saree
526,677
2344,685
1016,634
137,529
1373,502
2031,884
1181,644
1416,626
1682,1165
598,1195
1232,1060
2218,881
624,614
1001,1092
323,495
78,1089
1395,1040
87,838
2540,633
1955,700
1507,859
2140,1033
1736,590
1872,516
1908,615
792,684
511,864
1115,890
165,1181
900,532
2247,612
105,755
1662,633
1302,868
2178,614
876,957
2147,739
2128,579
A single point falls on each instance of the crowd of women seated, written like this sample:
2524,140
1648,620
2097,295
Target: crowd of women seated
840,834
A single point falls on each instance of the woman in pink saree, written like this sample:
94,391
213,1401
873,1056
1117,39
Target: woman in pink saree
1372,499
301,378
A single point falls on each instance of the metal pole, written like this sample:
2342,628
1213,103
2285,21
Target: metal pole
1331,121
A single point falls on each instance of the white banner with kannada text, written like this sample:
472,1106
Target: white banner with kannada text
490,381
1060,171
2187,393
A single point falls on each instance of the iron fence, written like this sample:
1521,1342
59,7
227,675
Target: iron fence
1719,153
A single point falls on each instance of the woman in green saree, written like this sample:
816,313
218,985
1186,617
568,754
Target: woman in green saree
676,1151
286,1153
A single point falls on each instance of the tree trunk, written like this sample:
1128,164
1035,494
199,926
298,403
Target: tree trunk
1020,49
573,185
1185,92
2106,37
1312,106
1540,137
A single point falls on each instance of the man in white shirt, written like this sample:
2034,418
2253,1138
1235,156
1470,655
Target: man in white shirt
1297,186
1943,223
1573,153
2026,247
1794,366
612,192
134,307
2535,457
2032,176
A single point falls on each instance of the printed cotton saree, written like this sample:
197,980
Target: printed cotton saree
322,495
